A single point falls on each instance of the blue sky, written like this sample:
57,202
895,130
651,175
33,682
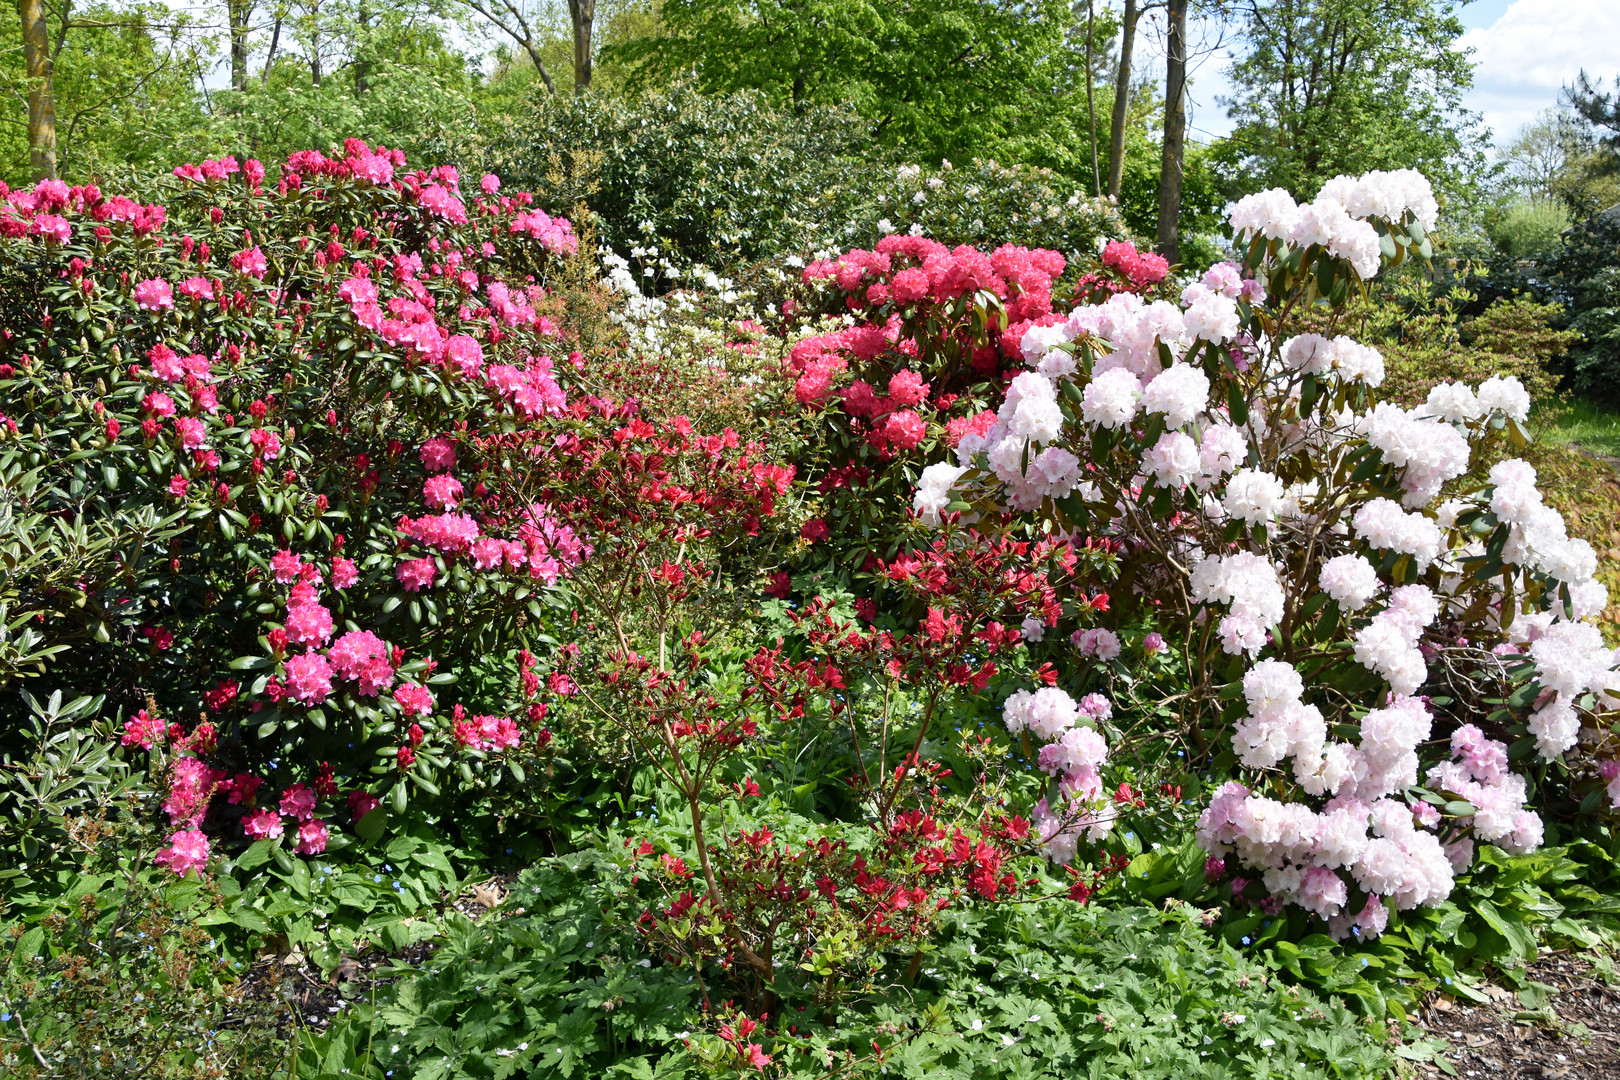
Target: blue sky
1524,50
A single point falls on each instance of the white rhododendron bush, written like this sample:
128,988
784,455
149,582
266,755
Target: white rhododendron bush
1375,614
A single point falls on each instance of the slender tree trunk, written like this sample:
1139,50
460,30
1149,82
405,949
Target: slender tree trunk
583,14
239,13
1175,130
1091,100
41,88
362,50
1122,97
270,57
540,66
315,43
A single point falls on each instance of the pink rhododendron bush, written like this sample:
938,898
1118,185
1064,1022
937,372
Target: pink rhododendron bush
303,460
1367,613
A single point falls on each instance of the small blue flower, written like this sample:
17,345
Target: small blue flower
1364,961
4,1017
1246,941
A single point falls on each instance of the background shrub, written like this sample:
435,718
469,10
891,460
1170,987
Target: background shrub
729,179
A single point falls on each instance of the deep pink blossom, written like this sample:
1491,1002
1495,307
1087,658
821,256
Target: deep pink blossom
414,700
262,825
312,836
187,851
309,678
154,294
442,492
298,802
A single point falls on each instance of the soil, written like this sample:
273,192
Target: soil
291,983
1576,1036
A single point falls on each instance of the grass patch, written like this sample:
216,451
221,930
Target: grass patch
1592,425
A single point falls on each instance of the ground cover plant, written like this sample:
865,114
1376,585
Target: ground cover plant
969,658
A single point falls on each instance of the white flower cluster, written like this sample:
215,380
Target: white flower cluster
1429,452
1337,219
1570,660
1351,581
1386,527
1388,644
1313,354
934,490
1249,585
1029,417
1537,537
1076,753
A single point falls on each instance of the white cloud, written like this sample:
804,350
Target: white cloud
1536,47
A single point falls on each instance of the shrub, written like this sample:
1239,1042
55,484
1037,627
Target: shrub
1585,274
726,180
1527,228
238,426
936,335
1008,991
1427,341
1265,504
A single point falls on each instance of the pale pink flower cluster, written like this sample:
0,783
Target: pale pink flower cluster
1570,660
1388,644
1429,452
1075,752
1279,724
1253,496
1480,777
1097,641
1303,857
1249,585
1537,536
1385,526
1337,219
1351,581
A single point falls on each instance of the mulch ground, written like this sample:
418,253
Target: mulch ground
1576,1036
293,989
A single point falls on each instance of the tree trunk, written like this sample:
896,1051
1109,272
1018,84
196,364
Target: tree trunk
41,89
362,50
1122,97
583,14
270,57
239,14
1175,130
1091,101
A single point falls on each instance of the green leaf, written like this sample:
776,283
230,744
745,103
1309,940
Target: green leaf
257,854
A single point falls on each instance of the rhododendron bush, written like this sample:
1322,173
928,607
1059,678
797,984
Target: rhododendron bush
382,534
932,336
1374,617
295,420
